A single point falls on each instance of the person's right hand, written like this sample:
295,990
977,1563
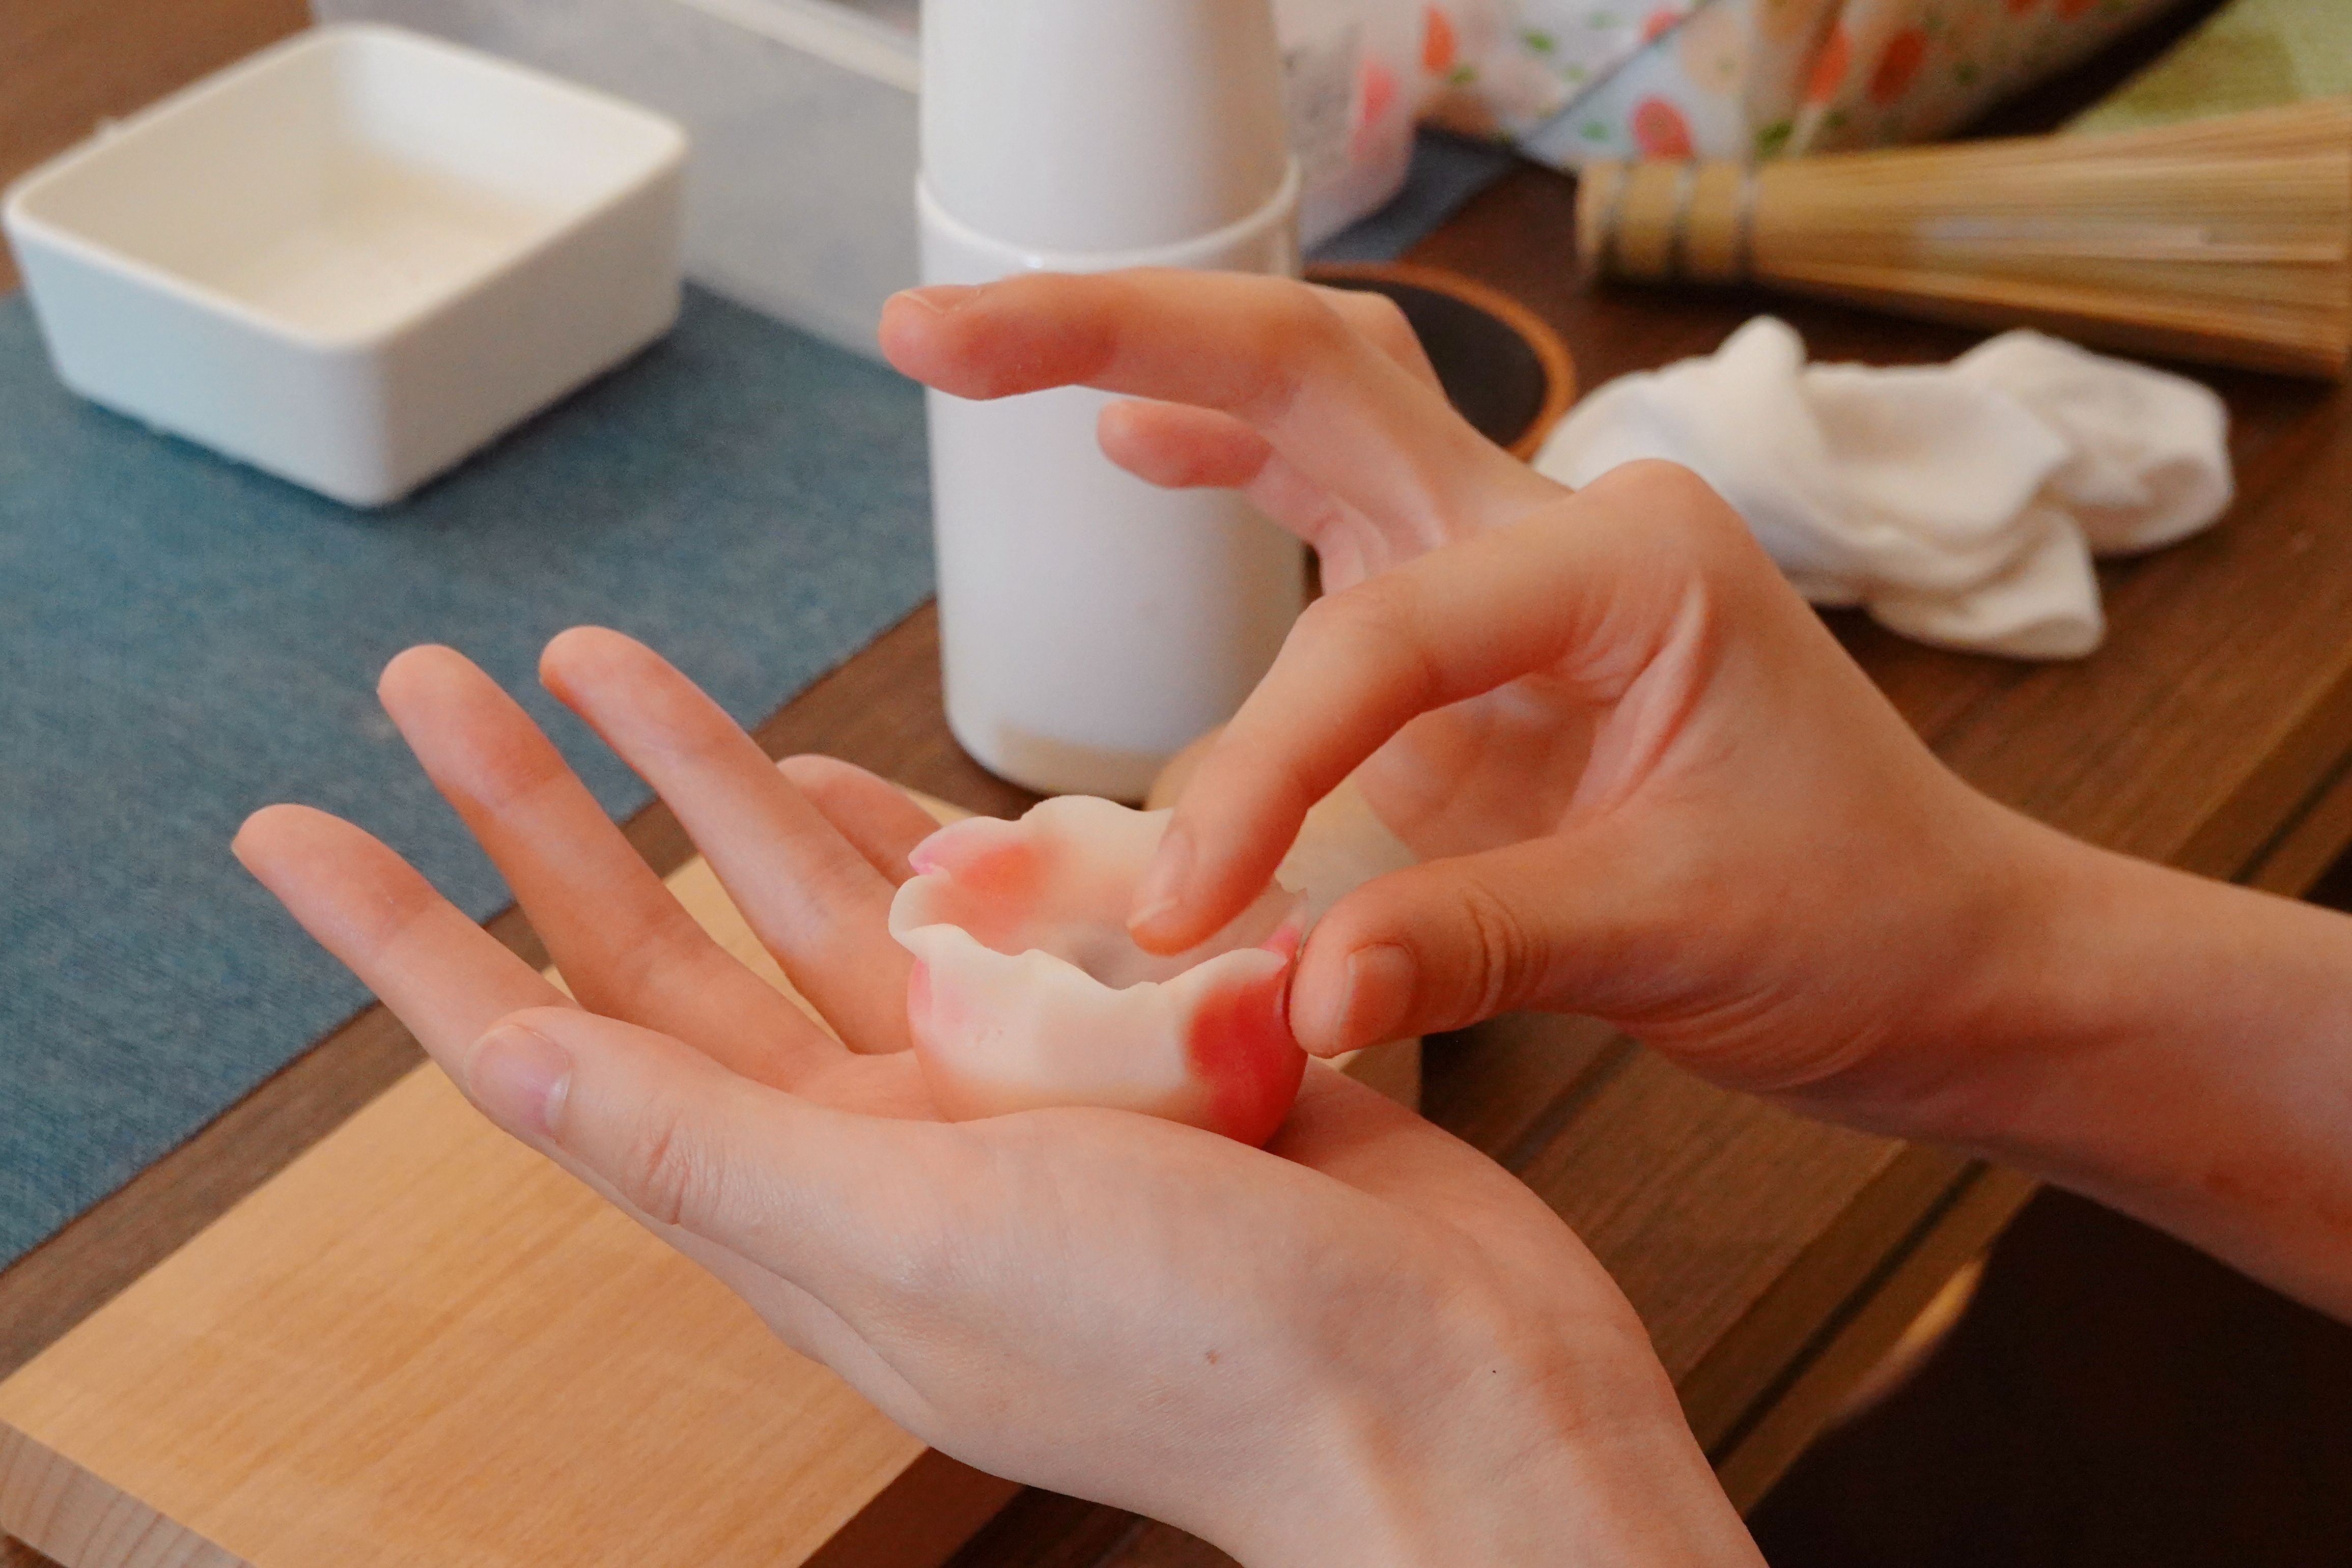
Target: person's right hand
1645,781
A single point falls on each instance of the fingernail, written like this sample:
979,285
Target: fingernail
1156,896
940,298
1375,992
519,1077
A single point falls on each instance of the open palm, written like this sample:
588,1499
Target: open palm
1089,1300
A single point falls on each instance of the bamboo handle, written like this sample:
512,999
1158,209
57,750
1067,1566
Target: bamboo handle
2227,239
1667,221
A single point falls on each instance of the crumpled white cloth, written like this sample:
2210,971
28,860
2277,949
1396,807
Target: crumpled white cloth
1959,504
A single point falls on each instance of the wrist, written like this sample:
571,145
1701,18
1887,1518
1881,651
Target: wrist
1546,1443
2087,971
1983,987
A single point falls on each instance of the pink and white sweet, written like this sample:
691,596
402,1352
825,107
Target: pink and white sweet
1027,991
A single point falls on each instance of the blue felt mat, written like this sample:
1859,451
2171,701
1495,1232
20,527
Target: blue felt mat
182,640
1445,172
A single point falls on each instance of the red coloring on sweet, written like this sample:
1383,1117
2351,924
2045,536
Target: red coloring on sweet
1660,21
935,1024
1240,1046
991,890
951,1092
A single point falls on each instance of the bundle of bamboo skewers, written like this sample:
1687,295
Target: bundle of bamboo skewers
2227,240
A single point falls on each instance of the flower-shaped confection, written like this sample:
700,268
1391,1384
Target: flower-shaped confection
1027,991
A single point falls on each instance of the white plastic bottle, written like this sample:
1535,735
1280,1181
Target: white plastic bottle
1091,624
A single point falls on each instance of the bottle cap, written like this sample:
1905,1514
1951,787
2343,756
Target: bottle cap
1101,125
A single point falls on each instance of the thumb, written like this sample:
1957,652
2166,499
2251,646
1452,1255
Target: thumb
1447,943
666,1132
776,1196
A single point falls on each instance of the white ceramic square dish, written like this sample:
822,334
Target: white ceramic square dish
354,257
801,192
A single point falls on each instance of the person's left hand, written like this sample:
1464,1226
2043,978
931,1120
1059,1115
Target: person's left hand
1366,1342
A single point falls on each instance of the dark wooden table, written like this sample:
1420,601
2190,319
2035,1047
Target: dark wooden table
1773,1259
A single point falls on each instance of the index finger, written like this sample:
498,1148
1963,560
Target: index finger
814,899
1382,322
450,981
624,942
1608,610
444,976
1270,352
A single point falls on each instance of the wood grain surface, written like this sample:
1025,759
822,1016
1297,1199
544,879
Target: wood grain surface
422,1343
1771,1258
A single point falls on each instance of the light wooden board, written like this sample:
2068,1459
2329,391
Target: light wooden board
421,1343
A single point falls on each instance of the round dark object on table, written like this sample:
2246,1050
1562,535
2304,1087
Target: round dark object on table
1504,370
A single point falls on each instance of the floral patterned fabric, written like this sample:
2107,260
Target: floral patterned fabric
1575,80
1506,68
